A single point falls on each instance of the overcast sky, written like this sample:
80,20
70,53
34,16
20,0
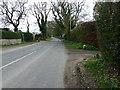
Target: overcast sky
34,28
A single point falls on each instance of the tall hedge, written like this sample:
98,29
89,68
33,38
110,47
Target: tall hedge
107,15
28,36
89,33
9,35
85,33
75,35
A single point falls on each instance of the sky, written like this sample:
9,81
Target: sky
34,28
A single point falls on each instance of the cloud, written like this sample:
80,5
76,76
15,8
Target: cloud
32,20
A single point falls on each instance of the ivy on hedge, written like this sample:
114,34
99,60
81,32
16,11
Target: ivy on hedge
107,15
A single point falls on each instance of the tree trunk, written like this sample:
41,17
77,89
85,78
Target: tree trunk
44,33
67,33
15,28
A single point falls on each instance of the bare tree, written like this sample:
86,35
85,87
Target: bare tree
40,12
67,14
13,12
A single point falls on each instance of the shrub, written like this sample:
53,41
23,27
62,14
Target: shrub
79,45
89,47
9,35
107,15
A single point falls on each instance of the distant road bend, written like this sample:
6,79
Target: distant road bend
40,65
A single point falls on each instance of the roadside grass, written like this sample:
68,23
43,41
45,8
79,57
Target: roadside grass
48,39
7,45
74,45
96,69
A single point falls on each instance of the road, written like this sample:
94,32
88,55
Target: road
39,65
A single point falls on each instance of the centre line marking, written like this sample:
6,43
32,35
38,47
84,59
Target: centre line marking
17,60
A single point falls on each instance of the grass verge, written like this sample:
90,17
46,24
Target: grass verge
74,45
96,69
48,39
7,45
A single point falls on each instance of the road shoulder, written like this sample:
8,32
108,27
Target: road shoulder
76,75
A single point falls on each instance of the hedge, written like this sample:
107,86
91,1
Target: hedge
5,29
28,36
9,35
107,16
85,33
38,36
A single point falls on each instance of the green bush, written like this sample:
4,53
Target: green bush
107,15
71,44
28,37
76,36
89,47
9,35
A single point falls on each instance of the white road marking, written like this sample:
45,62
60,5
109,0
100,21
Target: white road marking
17,60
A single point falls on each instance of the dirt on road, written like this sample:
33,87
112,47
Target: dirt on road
76,75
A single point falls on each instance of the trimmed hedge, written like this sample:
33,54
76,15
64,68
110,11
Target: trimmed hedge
28,37
89,33
85,33
9,35
15,35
